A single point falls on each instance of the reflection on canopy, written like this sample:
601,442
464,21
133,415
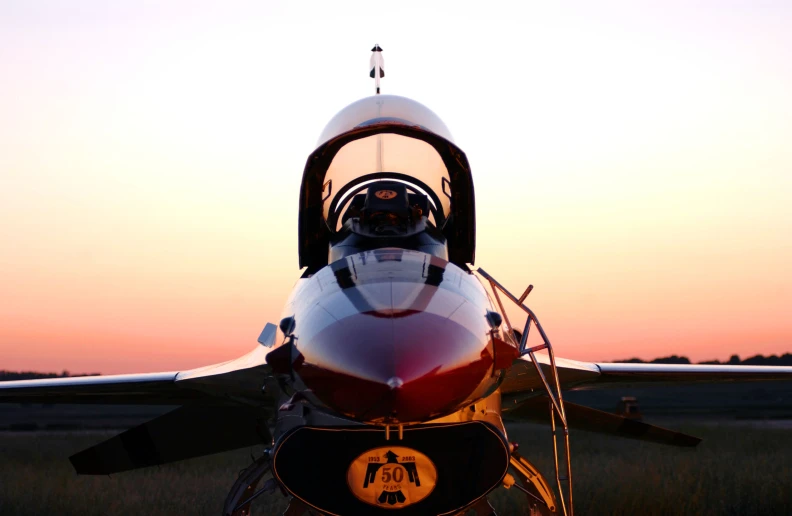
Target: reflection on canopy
381,109
386,137
386,153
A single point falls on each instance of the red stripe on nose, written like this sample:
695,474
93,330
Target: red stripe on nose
407,368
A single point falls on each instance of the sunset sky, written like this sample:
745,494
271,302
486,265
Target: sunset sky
631,160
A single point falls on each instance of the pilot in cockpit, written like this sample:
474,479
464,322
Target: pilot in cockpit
387,209
386,173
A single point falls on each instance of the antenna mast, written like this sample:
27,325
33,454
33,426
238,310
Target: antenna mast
377,66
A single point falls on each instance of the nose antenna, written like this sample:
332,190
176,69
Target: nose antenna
377,65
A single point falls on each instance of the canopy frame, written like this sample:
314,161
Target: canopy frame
314,234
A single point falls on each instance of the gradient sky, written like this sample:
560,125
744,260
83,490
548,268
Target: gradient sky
631,160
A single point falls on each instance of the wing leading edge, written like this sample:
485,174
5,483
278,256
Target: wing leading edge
522,378
234,382
611,373
149,388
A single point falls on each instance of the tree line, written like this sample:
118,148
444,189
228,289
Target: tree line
6,376
772,360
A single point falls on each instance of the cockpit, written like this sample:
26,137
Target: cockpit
386,213
386,174
385,210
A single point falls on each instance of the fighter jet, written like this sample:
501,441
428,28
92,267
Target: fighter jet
382,388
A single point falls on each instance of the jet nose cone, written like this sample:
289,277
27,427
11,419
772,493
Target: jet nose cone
399,365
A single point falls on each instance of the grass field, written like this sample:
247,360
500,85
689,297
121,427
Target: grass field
741,468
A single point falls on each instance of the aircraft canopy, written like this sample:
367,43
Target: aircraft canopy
386,137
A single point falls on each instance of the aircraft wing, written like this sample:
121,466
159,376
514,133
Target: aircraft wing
150,388
223,407
234,382
523,391
522,378
611,373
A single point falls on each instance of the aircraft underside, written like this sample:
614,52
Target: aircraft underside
328,465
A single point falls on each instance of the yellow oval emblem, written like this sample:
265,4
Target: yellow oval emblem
385,194
391,477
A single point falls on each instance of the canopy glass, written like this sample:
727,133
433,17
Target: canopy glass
385,137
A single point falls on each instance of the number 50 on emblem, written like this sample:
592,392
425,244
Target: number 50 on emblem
391,477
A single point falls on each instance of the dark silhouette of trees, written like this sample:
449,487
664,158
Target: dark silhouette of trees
772,360
32,375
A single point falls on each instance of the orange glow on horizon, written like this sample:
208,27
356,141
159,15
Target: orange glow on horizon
635,167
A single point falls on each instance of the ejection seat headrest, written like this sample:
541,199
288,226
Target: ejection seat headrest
387,208
388,196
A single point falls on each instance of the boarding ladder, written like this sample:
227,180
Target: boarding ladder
553,391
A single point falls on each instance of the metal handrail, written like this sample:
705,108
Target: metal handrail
556,399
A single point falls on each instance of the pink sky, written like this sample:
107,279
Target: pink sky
632,163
